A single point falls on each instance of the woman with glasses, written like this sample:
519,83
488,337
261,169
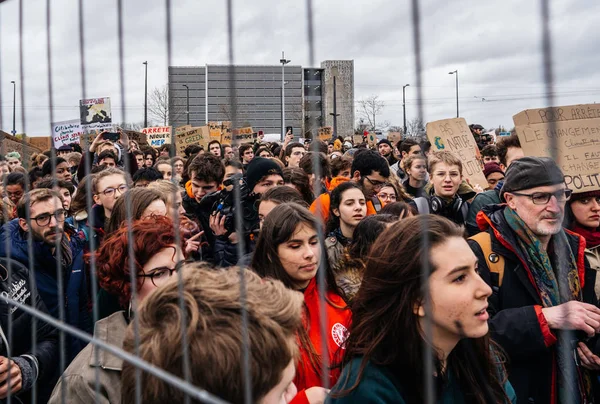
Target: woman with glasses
387,194
157,255
348,207
583,217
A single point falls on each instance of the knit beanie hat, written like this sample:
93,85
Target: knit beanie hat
585,195
531,172
491,168
386,141
258,168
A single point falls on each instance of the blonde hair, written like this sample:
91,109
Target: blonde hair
214,335
166,188
444,157
105,173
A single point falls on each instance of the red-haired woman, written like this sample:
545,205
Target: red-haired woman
156,257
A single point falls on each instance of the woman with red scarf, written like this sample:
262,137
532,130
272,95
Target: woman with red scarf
584,215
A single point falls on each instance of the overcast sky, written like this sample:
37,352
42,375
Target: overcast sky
495,45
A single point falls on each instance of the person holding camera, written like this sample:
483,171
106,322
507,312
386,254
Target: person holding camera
262,174
543,299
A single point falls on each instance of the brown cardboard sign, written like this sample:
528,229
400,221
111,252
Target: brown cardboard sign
577,149
199,136
183,129
394,137
557,114
243,135
372,139
454,135
325,133
357,139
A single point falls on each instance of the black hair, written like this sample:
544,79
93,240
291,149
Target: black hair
52,183
16,179
366,161
336,199
48,167
109,154
425,147
366,232
400,210
233,163
34,174
150,174
407,144
191,150
489,151
291,146
243,148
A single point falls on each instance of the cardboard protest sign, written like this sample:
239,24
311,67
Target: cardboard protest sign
325,133
158,135
182,129
372,139
577,149
139,137
42,143
66,132
199,136
394,137
243,135
454,135
357,139
95,113
557,114
226,132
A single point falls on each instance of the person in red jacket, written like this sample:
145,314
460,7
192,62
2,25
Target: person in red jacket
289,250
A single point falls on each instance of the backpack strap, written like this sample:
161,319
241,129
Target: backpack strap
495,262
422,205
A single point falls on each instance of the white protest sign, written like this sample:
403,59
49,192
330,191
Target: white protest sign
66,132
95,114
158,135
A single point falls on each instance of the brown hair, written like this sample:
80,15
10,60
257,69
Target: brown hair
505,143
299,179
383,313
443,157
139,198
34,196
215,345
105,173
207,167
79,201
167,189
407,163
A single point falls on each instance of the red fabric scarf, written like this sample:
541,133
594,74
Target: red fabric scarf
592,237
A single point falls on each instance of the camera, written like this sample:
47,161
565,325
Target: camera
223,202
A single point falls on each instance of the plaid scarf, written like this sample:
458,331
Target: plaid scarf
557,281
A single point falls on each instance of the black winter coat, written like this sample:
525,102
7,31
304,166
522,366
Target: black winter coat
516,322
45,364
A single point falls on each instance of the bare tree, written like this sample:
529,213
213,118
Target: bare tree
369,109
161,108
415,127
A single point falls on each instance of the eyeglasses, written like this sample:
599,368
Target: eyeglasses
386,197
376,184
111,191
542,198
44,219
162,273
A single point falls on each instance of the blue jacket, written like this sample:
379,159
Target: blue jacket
75,300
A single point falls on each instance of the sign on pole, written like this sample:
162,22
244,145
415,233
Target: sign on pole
454,135
243,135
95,114
325,133
66,132
576,140
158,135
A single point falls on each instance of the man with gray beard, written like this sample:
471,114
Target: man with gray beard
543,307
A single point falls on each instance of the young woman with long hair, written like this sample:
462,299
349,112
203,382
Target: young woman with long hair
352,266
412,298
288,249
347,208
415,167
583,217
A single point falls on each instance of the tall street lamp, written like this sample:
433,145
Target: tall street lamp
283,62
14,130
146,95
404,107
187,103
456,73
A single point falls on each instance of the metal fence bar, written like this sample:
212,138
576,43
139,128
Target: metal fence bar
247,376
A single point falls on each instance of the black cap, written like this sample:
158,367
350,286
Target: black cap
386,141
260,167
531,172
477,126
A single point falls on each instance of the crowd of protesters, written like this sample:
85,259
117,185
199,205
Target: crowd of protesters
361,273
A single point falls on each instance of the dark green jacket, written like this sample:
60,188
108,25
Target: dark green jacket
379,385
483,199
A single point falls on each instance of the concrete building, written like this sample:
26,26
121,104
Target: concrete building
343,70
258,95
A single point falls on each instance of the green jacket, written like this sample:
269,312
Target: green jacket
379,385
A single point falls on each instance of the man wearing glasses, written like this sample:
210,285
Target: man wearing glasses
56,251
543,306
